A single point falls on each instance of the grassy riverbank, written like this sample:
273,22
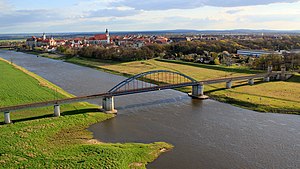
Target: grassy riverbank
38,140
276,96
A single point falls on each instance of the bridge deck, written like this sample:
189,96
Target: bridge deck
133,91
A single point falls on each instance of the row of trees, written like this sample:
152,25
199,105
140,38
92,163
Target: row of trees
117,54
291,61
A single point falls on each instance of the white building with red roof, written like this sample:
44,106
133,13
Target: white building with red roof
39,42
100,39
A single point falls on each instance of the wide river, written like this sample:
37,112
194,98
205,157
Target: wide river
206,134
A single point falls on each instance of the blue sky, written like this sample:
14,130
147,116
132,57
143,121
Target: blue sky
28,16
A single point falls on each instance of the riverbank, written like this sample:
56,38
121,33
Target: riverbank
275,96
38,140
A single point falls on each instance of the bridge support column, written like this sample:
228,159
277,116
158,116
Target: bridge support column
283,71
7,118
108,105
267,79
56,110
198,92
229,84
270,68
251,82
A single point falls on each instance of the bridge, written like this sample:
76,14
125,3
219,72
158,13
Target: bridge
147,82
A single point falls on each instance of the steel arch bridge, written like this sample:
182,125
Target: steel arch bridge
152,79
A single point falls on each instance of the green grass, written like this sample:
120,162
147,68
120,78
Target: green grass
15,40
275,96
36,139
51,55
235,69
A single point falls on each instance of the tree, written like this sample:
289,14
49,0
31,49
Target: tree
264,61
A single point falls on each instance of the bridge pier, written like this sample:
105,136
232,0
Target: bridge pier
267,79
56,110
283,73
251,81
108,105
198,92
7,118
229,84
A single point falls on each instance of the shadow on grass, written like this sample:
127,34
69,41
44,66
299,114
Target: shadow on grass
295,79
32,118
65,113
80,111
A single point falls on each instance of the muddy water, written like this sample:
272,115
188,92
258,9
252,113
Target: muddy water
206,134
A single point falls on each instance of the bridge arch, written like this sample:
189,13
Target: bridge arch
156,76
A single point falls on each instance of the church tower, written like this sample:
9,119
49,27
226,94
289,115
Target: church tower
44,36
107,36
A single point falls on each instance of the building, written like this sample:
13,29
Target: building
100,39
40,42
255,53
31,42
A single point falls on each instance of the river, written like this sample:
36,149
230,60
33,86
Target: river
206,134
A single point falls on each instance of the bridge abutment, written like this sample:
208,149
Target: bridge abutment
56,110
108,105
267,79
7,118
198,92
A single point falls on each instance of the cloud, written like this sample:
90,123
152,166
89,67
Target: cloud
234,11
191,4
113,13
5,6
271,18
27,17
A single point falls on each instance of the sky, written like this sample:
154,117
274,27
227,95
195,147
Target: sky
34,16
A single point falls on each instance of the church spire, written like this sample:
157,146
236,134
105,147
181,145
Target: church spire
107,36
44,36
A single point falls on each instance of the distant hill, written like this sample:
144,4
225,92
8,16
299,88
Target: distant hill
154,32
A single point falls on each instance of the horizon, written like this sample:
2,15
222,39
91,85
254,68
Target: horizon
254,31
131,16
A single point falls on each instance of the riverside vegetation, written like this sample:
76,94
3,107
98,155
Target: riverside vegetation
38,140
275,96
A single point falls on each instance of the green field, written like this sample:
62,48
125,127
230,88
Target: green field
36,139
276,96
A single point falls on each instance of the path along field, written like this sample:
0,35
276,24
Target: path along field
275,96
38,140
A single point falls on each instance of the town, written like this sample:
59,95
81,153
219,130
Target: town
226,49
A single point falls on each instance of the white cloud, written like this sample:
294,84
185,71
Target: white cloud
117,12
191,4
5,6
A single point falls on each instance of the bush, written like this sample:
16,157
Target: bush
217,61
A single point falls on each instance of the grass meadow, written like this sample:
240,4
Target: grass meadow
36,139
